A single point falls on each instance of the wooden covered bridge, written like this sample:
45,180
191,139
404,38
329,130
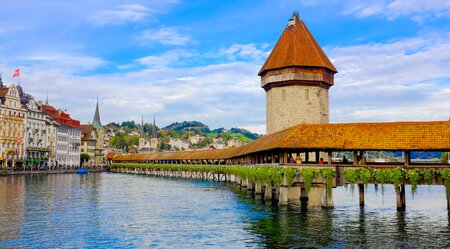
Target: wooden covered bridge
313,141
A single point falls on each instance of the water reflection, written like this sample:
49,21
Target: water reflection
127,211
425,223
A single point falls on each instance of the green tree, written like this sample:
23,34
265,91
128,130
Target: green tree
133,140
84,157
120,140
444,157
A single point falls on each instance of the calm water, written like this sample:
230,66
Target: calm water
127,211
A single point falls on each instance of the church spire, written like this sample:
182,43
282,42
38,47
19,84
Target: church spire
154,135
96,123
142,127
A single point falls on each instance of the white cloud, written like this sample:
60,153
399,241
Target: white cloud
165,59
67,62
246,51
392,9
120,15
399,80
219,95
166,36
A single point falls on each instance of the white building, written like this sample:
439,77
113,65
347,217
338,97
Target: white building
68,137
38,132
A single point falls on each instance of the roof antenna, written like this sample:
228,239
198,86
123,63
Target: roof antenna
295,14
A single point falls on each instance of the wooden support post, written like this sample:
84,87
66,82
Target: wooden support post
363,158
401,201
285,157
317,156
361,194
355,157
330,157
306,157
407,158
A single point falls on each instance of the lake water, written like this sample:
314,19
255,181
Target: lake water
103,210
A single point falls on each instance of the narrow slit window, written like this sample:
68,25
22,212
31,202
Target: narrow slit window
307,94
284,95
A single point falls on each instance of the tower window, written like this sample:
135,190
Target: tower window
307,94
284,95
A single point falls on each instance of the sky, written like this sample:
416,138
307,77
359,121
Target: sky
198,59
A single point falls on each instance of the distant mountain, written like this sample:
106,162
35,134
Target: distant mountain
245,132
194,125
421,154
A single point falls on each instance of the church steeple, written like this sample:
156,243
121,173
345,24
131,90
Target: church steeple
96,123
142,127
154,134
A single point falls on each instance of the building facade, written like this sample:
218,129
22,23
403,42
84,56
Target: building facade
12,126
38,132
296,77
93,139
68,137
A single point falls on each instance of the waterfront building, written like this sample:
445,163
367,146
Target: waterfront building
296,77
88,141
68,136
93,139
12,126
40,132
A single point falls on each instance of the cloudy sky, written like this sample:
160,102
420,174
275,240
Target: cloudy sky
198,59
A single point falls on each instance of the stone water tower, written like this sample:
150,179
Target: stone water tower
296,78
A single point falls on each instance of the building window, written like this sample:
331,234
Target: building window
283,93
307,94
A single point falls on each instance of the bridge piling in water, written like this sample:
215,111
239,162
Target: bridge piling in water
361,194
401,200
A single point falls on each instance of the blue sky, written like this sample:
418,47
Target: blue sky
198,60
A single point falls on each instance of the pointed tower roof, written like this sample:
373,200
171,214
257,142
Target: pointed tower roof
296,48
96,123
142,127
154,134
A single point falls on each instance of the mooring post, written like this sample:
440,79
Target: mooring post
361,194
400,193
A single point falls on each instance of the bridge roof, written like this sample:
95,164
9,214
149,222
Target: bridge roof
394,136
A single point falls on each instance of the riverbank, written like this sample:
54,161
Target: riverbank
42,172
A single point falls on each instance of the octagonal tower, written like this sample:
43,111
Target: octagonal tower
296,77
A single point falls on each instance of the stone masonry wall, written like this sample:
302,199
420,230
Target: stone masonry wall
292,105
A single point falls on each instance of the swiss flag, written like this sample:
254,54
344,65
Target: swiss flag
16,73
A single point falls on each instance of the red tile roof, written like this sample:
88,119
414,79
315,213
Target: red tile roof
296,48
394,136
86,131
60,117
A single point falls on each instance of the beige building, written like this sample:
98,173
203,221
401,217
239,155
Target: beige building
92,139
12,126
296,77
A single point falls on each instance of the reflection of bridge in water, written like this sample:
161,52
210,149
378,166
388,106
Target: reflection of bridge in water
308,143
